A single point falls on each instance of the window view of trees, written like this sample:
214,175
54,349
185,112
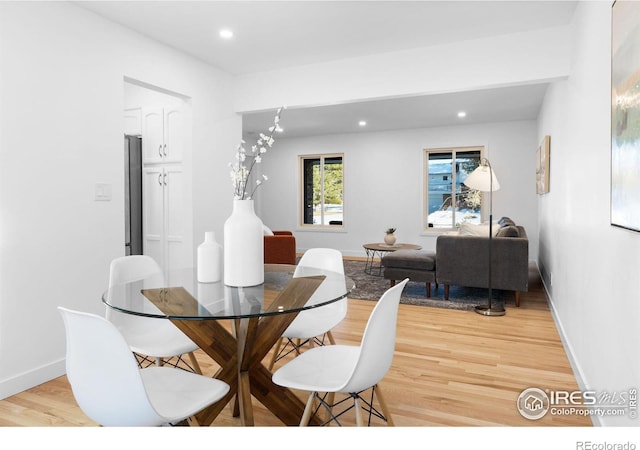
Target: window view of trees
449,201
322,190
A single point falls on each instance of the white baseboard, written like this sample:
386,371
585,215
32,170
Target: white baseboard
27,380
575,365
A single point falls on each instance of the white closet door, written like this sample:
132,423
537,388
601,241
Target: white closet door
177,256
153,135
153,213
173,134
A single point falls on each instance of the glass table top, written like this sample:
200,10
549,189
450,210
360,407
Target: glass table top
179,296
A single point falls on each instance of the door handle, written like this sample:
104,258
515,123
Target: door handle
165,149
160,179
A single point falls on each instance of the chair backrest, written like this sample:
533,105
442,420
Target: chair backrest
317,261
321,258
318,321
132,268
104,374
126,269
378,342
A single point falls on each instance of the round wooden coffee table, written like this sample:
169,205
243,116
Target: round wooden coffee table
375,252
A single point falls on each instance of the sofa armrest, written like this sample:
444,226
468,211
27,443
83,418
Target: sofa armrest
463,261
280,248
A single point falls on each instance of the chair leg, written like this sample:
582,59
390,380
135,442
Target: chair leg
446,292
330,337
194,363
306,415
428,289
329,401
274,356
193,422
356,404
383,405
518,299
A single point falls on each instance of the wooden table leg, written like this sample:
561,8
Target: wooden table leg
240,358
249,377
222,347
281,401
246,335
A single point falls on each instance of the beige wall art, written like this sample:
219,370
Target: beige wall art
542,166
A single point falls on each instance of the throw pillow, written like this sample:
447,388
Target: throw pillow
508,231
506,221
471,229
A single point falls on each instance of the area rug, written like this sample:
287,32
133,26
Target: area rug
370,287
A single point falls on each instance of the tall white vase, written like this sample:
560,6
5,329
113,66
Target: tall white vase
209,259
243,246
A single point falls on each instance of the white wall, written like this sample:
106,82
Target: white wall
384,181
61,119
513,59
590,268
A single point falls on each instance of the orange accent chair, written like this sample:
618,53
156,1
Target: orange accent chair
280,248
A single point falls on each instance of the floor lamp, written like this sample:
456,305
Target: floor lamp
484,179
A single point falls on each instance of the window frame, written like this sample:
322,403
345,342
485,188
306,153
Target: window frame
301,190
425,191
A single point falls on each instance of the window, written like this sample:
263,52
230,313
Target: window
322,190
448,201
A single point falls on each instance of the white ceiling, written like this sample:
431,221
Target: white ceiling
277,34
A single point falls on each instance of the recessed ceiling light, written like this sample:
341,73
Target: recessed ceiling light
362,123
226,33
462,114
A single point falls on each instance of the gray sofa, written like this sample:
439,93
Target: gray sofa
462,259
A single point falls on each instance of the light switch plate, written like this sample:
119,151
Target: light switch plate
103,192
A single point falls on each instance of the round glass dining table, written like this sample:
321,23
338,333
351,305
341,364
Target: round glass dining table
258,314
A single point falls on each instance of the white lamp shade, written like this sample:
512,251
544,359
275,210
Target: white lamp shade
480,179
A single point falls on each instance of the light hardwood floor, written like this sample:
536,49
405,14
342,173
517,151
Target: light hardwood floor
451,368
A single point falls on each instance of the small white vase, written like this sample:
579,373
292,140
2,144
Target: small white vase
389,238
243,246
209,259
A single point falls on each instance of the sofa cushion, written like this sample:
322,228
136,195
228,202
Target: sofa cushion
506,221
400,273
472,229
411,259
508,231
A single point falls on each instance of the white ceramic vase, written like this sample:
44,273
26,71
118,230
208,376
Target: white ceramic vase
209,259
389,238
243,246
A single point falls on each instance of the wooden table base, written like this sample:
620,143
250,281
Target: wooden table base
240,357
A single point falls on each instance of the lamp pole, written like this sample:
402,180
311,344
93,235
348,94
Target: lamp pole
489,310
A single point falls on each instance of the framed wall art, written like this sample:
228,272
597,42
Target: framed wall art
542,166
625,114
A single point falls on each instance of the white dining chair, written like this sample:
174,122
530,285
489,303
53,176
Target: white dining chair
150,338
112,391
313,326
348,369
